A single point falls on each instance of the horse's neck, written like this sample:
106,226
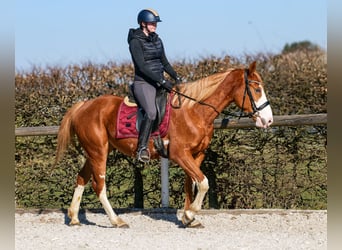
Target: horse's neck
220,99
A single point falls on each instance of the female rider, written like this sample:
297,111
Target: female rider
150,63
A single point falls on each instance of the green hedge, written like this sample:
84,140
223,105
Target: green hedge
284,167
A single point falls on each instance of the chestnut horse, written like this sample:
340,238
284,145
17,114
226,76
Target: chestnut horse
188,136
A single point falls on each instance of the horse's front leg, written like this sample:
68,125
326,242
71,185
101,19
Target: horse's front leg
190,185
194,179
192,206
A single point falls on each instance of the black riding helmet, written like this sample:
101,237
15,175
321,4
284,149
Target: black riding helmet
148,16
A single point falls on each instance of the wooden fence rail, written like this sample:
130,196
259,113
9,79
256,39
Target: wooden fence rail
285,120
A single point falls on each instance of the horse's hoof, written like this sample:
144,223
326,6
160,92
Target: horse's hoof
191,223
123,226
194,224
119,223
74,223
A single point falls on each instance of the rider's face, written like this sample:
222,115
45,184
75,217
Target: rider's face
151,27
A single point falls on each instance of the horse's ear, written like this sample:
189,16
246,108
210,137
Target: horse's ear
252,67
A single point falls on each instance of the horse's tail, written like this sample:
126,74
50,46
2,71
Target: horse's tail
66,132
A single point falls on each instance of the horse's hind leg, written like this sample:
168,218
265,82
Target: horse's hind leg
99,185
82,179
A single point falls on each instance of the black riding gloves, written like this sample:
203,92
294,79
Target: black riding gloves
167,85
178,80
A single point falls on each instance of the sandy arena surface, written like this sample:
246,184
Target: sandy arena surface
161,229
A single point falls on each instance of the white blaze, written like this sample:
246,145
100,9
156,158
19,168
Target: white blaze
265,116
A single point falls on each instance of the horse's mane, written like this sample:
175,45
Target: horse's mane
200,89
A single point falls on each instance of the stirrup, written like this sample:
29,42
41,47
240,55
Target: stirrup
144,157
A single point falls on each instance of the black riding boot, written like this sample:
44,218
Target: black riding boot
144,136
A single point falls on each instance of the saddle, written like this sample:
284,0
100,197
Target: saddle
130,116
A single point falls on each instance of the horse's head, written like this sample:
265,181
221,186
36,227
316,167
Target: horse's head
253,100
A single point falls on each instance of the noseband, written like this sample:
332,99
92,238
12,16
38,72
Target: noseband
249,93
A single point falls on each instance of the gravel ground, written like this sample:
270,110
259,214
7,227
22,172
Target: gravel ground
223,229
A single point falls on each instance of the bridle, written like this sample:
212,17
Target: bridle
256,109
253,114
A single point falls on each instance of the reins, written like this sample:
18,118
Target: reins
192,99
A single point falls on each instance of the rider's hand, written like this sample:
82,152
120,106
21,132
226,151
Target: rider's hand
167,85
178,80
